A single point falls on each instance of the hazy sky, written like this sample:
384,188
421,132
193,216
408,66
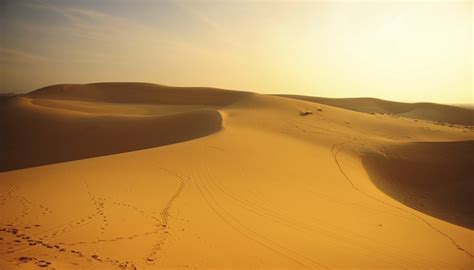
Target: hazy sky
407,51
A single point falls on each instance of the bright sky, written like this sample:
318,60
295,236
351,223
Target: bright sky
396,50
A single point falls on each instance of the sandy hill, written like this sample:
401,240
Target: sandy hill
142,176
104,118
425,111
138,93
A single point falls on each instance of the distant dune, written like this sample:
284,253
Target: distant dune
467,106
144,176
425,111
138,93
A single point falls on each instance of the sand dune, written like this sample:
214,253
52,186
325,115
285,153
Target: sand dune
227,179
138,93
70,130
435,178
425,111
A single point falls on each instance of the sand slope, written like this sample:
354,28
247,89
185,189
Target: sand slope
435,178
263,186
425,111
34,135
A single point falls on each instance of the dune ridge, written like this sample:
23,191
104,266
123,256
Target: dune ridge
138,93
423,110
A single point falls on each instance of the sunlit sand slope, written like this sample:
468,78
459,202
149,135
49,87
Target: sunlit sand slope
427,111
272,183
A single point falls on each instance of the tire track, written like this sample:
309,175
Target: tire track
243,229
337,148
320,228
205,191
335,234
332,233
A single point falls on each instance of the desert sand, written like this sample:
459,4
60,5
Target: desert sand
144,176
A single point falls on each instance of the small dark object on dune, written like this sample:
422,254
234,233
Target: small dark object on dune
305,113
25,259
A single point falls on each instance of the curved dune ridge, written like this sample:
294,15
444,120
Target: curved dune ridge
228,180
424,111
71,122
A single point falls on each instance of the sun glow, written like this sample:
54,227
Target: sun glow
394,50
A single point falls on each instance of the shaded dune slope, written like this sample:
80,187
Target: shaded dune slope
434,178
138,93
63,123
424,111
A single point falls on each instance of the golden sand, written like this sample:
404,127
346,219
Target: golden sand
124,175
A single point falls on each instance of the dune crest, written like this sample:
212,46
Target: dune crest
423,111
139,93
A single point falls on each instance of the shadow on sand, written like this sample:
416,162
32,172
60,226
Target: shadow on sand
435,178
